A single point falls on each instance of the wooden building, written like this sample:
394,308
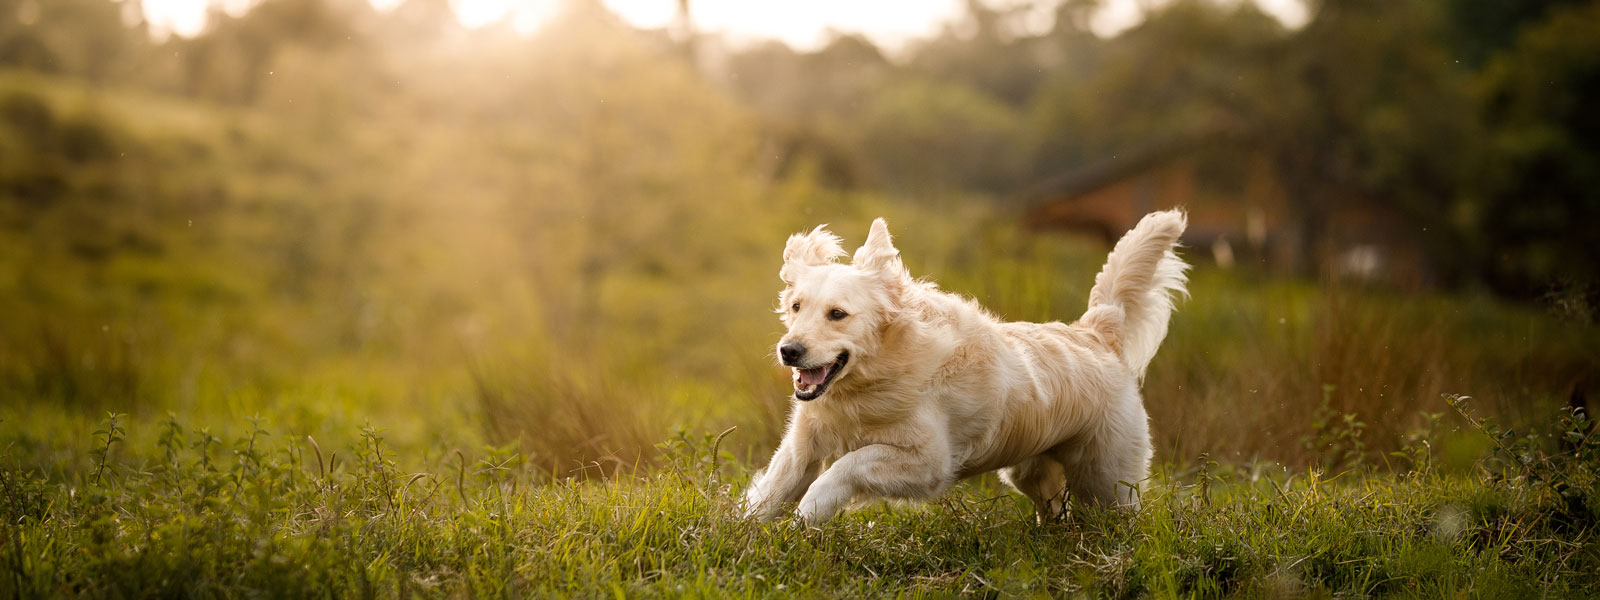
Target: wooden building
1239,212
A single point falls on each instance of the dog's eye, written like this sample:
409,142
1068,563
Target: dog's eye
837,314
795,307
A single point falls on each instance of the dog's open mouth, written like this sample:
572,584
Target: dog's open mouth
810,383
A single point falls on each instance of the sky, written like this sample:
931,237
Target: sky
802,25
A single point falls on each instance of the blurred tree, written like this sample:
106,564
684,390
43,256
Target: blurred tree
1542,205
1483,28
812,102
1368,106
231,60
1191,68
93,39
629,150
22,43
1363,106
927,135
836,80
1371,102
987,51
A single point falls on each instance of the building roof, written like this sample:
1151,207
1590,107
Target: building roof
1107,171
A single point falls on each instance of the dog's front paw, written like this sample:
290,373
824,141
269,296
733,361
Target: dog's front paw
814,513
759,503
822,503
762,511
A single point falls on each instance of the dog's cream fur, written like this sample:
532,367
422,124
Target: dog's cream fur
935,389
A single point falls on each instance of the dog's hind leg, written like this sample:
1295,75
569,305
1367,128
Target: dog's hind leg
1043,480
1109,465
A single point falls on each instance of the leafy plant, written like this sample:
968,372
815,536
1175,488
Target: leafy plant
1416,446
1564,466
1335,440
110,433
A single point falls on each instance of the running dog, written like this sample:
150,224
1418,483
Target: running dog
907,389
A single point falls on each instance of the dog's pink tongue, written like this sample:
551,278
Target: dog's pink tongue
813,376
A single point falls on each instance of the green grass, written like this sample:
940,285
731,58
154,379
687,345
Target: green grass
276,514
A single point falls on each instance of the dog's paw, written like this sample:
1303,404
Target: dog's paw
814,514
764,513
821,504
760,507
755,512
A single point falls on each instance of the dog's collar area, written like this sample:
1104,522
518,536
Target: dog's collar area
811,383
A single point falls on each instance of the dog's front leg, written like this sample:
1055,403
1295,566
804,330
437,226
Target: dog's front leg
877,470
794,466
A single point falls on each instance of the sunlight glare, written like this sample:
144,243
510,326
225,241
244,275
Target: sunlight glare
1292,13
802,25
1115,17
529,15
648,14
479,13
175,17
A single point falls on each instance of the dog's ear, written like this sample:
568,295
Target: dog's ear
879,253
803,250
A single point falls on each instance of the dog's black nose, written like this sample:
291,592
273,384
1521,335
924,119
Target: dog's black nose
792,352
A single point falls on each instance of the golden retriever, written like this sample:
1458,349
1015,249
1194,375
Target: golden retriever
908,389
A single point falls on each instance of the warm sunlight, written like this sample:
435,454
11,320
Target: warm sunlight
478,13
801,25
182,17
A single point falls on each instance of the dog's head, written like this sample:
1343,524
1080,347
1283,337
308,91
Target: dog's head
836,312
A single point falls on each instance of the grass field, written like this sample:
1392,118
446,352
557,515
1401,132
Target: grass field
273,515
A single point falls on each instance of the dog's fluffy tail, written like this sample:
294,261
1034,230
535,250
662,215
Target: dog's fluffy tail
1133,295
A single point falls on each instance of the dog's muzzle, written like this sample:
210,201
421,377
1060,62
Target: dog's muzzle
809,383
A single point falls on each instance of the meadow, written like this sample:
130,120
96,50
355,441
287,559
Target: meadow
277,515
430,314
1306,443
